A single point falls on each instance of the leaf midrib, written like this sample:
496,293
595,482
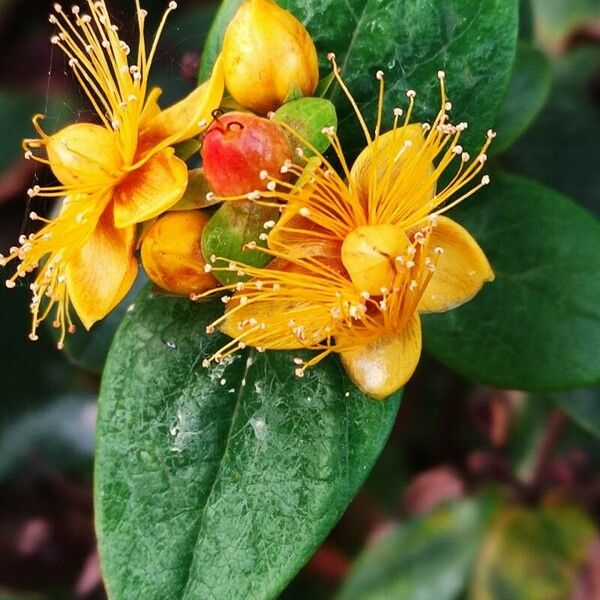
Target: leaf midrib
200,521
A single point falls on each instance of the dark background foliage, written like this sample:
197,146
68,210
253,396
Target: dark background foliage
453,442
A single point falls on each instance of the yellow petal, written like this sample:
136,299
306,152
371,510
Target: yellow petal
461,270
384,159
277,334
385,365
182,120
100,275
277,324
301,237
151,108
151,189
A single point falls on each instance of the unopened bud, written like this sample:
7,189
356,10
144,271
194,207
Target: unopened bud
267,53
234,235
171,253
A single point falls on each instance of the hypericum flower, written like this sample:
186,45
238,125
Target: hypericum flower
112,175
358,257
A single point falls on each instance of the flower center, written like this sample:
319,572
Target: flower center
369,255
84,154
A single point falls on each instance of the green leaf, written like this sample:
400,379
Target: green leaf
324,85
527,92
62,432
533,328
220,482
17,109
533,554
31,372
472,40
225,236
214,39
307,117
425,557
411,40
570,120
525,20
583,406
195,193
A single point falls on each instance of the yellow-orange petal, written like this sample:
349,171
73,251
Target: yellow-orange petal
151,189
188,117
151,107
273,315
461,270
383,366
300,237
102,272
385,158
84,154
270,322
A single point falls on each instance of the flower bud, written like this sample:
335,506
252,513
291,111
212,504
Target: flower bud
236,232
171,253
266,53
238,148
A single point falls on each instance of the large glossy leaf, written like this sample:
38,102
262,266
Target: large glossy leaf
533,554
527,92
220,482
537,325
424,558
561,148
472,40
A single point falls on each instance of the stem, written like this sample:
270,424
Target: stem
545,452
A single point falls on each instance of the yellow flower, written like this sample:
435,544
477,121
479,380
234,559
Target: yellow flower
111,175
358,258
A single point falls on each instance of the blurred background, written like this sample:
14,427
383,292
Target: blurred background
430,523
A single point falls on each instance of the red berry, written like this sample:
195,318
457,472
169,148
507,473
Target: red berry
237,147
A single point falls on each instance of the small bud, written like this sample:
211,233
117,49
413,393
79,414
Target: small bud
267,52
232,237
240,151
171,253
